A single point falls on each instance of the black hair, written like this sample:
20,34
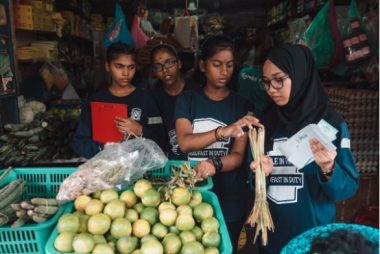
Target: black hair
213,45
117,49
165,47
342,242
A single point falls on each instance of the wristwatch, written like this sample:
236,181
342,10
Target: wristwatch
328,174
217,164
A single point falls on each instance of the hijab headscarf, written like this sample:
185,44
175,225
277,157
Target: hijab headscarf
308,101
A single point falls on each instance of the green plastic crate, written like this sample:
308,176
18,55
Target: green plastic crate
166,172
207,196
45,182
225,245
39,182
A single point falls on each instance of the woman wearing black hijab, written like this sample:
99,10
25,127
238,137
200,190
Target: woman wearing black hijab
302,198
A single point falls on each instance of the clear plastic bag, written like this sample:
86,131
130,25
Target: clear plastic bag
297,29
118,165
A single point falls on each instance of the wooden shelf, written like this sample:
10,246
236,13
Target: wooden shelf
35,31
66,37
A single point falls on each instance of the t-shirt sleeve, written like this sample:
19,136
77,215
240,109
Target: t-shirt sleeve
183,106
82,142
345,178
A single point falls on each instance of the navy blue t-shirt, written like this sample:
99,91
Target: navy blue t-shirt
205,115
166,104
141,108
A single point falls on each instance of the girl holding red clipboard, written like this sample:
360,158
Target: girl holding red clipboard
140,116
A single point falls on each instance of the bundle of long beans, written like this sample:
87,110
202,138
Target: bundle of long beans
260,215
183,176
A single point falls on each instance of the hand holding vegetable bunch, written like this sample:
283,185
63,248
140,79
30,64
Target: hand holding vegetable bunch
266,164
205,168
235,130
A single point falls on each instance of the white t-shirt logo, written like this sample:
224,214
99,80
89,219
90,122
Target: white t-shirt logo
136,114
173,141
285,180
219,148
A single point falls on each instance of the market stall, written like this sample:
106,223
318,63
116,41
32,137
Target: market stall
52,55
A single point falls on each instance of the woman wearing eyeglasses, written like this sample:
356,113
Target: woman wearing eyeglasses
166,66
209,125
302,198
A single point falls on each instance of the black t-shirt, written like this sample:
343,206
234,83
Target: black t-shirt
166,105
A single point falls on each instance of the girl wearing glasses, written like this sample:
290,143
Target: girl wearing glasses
143,117
166,66
302,198
209,125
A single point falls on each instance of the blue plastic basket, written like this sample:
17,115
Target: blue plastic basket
207,196
39,182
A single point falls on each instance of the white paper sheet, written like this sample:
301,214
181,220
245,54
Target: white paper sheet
297,149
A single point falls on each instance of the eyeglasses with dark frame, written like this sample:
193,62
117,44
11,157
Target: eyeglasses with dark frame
276,83
167,64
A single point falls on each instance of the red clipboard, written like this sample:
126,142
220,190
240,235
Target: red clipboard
103,121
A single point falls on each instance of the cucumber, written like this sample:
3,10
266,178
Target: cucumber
44,201
5,219
13,191
19,222
13,126
27,204
5,148
4,138
27,133
39,218
22,143
31,147
34,139
46,209
5,173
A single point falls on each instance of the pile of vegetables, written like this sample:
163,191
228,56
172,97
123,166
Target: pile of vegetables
184,176
36,210
139,220
44,136
30,109
9,194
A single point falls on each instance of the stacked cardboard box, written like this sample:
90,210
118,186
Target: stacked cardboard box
35,16
360,108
